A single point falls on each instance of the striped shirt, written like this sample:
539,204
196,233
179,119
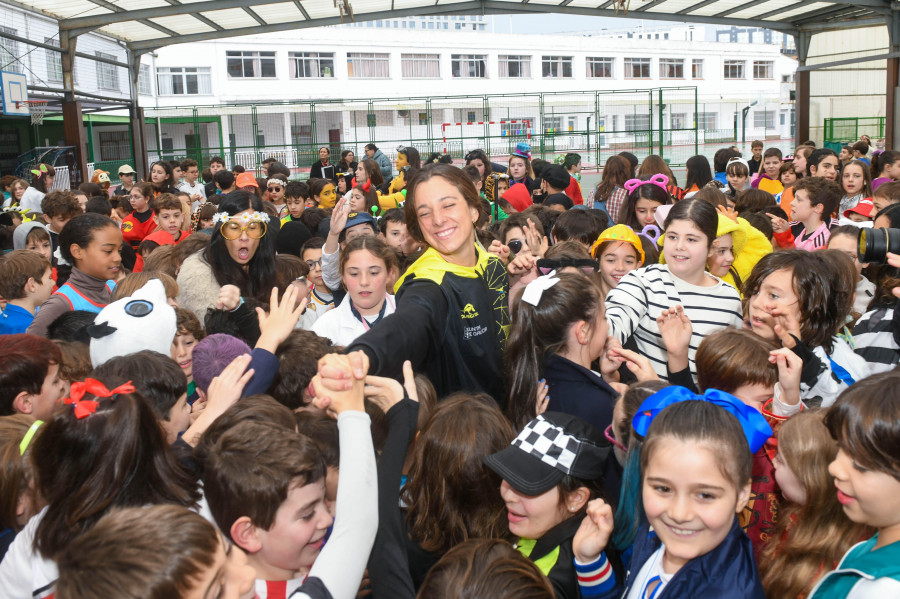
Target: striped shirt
875,342
633,306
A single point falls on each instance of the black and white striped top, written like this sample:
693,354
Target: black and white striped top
633,306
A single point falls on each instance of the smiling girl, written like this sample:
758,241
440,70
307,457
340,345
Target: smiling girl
633,306
866,473
367,265
618,250
452,316
645,195
140,223
856,183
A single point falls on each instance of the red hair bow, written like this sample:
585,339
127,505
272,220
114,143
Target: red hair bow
367,185
86,407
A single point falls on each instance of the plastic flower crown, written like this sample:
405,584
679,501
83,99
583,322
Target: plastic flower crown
277,181
245,218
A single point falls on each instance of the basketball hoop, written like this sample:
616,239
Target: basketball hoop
37,109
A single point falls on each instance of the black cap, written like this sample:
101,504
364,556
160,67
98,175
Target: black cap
556,176
550,447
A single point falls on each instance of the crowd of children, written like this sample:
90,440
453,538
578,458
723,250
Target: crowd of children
474,380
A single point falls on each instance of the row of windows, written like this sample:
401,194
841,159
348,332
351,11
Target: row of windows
371,65
424,25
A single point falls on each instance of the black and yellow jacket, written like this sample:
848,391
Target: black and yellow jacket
451,322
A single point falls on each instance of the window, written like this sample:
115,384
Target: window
762,69
319,65
678,120
423,118
734,69
706,120
637,68
144,80
552,124
9,49
184,81
107,74
115,145
763,119
697,68
420,66
367,65
600,67
671,68
54,60
468,66
250,64
637,122
509,128
515,66
556,66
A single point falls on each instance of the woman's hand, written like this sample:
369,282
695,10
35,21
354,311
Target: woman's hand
229,298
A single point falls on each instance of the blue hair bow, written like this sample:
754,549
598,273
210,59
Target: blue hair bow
756,429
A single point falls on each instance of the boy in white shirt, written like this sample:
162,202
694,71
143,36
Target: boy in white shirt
191,171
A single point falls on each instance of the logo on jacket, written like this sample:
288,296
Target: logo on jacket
468,312
127,226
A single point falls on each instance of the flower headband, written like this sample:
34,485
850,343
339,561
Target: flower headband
41,170
246,218
85,407
281,182
535,289
756,429
659,180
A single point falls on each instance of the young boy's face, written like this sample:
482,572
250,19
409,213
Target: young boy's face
771,166
205,223
183,351
191,174
43,288
395,235
178,420
756,151
215,167
295,539
801,206
296,206
788,178
170,220
42,404
845,155
313,259
58,222
42,246
848,245
737,182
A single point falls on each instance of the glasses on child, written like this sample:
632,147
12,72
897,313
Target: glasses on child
275,188
515,245
609,437
314,263
232,230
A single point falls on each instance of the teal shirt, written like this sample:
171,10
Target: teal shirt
861,565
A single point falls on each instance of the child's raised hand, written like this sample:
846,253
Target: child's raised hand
779,225
593,534
609,359
277,325
639,365
335,402
339,217
675,329
727,212
229,298
536,242
543,397
790,365
226,389
499,250
786,327
383,391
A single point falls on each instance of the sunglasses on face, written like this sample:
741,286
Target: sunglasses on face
232,230
125,175
276,189
515,245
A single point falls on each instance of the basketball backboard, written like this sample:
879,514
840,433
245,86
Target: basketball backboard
13,89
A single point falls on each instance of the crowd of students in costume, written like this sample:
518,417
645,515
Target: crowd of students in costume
448,378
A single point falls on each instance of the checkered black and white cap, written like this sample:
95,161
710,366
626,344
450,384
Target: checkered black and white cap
550,447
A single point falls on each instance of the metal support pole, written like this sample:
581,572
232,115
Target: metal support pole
72,119
801,102
136,118
696,124
892,85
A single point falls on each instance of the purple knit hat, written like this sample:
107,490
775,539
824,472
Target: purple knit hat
213,354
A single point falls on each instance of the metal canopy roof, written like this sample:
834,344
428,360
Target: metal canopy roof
149,24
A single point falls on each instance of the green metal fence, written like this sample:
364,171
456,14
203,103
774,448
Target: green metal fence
667,121
840,131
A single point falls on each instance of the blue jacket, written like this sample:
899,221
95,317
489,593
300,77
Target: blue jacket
387,170
727,572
